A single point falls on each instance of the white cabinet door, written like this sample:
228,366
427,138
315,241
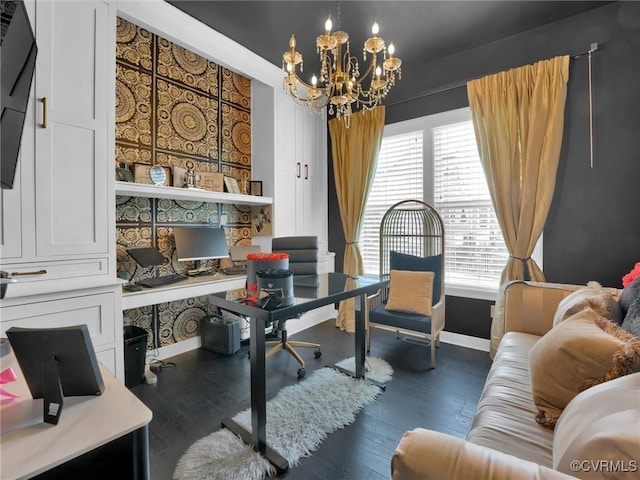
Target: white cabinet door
71,149
300,204
312,186
287,169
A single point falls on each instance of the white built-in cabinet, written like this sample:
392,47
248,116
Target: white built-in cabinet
300,186
56,227
300,171
58,211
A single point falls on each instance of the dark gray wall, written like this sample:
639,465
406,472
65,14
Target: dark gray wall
593,228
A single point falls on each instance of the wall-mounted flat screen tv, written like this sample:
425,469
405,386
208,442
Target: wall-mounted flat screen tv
18,53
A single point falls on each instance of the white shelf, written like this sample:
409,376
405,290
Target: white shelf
131,189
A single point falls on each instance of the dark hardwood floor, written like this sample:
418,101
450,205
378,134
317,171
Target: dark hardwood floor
190,399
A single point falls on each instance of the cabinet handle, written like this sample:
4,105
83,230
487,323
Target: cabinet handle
298,169
44,112
24,274
306,171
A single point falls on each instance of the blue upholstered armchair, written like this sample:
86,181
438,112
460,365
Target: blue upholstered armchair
411,245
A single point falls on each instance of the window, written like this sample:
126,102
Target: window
435,158
398,177
475,253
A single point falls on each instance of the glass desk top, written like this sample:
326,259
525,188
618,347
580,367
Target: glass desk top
332,288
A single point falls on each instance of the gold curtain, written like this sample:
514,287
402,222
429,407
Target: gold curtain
355,158
518,117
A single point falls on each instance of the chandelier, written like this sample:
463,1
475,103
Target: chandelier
340,84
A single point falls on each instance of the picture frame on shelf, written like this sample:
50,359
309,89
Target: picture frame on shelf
123,174
142,174
231,184
261,220
255,188
211,181
179,176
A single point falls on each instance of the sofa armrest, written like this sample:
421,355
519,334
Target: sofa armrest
529,307
425,454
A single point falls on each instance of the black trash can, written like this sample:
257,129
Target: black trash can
135,349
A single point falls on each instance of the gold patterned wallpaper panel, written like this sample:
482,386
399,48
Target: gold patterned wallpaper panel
173,108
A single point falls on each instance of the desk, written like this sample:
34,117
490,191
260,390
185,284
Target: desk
334,287
188,288
30,447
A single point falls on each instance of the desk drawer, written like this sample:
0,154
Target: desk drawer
97,311
43,271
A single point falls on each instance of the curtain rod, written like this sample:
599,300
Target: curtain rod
463,83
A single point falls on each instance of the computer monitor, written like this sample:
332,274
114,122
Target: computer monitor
18,52
195,243
56,363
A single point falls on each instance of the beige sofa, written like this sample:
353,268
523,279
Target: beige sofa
597,435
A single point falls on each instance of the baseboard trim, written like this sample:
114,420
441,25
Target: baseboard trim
465,341
295,327
174,349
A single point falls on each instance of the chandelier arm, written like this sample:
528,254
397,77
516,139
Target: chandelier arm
367,102
303,102
364,76
308,85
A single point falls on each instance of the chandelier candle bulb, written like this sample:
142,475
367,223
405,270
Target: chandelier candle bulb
375,29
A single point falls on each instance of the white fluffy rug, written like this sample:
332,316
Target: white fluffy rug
299,418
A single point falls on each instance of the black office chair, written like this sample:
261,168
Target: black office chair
303,261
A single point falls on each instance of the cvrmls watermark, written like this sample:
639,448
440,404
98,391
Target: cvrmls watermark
620,466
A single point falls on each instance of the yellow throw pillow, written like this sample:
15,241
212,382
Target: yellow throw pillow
410,292
582,351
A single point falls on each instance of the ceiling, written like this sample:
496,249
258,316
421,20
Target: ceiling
422,31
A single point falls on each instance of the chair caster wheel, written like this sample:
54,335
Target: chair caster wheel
301,372
317,354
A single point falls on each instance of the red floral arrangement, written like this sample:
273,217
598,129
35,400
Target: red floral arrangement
263,257
632,275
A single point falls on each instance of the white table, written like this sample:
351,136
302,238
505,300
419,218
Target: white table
29,447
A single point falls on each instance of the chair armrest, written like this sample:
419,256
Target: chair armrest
425,454
375,299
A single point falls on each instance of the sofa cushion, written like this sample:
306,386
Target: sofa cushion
424,454
602,423
403,261
410,292
505,415
593,296
584,350
630,303
629,294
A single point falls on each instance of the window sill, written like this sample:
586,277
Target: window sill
471,292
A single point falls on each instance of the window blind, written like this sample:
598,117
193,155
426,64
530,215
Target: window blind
475,253
399,176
